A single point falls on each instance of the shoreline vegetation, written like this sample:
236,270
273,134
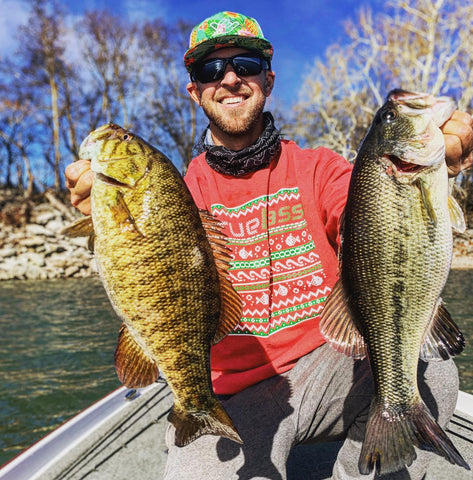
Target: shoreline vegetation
32,248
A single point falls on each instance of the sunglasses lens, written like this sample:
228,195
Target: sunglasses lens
214,69
210,71
246,66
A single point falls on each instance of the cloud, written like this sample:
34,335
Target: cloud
13,14
145,9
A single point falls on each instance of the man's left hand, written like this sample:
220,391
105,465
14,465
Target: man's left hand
458,134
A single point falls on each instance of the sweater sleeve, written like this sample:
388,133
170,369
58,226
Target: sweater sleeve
193,180
331,180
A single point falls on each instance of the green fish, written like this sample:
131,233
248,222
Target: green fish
396,253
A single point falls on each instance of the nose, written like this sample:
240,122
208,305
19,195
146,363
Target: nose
230,78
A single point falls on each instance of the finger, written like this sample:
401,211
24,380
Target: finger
453,154
83,185
461,125
83,206
74,171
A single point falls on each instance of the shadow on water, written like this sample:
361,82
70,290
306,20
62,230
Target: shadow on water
57,345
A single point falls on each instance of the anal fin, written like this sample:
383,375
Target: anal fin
442,338
134,368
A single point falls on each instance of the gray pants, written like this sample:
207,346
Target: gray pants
324,398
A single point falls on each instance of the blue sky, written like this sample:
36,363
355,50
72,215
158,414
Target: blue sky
299,30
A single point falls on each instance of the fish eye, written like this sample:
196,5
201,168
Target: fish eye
389,116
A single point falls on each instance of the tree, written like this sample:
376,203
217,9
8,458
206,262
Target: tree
43,52
419,45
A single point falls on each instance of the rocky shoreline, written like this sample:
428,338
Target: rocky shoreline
32,247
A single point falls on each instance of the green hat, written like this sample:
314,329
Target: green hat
226,29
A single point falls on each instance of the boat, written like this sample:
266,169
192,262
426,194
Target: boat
122,436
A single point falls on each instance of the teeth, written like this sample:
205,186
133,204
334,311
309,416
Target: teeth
226,101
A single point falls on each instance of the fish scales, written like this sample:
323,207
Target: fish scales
399,273
165,279
163,274
395,259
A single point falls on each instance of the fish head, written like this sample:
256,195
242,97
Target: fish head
406,134
118,157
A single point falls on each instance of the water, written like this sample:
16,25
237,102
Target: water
57,343
56,356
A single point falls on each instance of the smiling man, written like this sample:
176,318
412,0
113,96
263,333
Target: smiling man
280,205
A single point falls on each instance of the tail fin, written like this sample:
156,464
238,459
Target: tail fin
390,439
192,425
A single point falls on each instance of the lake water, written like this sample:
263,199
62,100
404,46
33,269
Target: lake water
57,345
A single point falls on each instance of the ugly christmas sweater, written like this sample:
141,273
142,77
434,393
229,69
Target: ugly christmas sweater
282,226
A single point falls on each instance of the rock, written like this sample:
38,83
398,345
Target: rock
7,252
34,241
55,226
38,230
43,218
70,271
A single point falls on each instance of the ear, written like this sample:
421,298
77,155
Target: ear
269,82
194,92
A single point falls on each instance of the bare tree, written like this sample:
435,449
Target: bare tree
172,118
42,50
420,45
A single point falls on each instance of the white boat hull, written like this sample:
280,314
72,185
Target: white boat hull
122,437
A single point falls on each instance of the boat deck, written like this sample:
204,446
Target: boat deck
122,437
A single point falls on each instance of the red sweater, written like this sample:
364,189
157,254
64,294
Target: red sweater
282,225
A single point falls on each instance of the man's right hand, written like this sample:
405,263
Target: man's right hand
79,179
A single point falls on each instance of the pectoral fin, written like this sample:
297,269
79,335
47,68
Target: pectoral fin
134,368
427,201
80,228
442,338
337,325
231,305
123,215
456,215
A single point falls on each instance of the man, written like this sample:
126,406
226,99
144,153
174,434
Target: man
278,380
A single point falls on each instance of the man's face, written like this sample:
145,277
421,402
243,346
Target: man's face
233,104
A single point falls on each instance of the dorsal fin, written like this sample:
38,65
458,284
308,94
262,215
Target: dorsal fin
231,305
134,368
442,338
337,325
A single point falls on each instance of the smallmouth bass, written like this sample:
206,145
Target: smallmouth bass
164,266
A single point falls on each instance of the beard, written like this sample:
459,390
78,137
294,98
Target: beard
237,123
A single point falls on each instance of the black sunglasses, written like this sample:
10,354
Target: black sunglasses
214,68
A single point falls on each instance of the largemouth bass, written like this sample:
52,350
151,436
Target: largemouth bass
395,259
164,267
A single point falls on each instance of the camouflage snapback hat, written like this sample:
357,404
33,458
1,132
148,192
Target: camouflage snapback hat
226,29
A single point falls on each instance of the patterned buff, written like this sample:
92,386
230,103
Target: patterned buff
241,162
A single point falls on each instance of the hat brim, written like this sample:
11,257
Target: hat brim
200,51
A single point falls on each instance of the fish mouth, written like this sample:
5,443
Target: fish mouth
401,167
110,181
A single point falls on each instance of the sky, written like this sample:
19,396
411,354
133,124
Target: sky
300,30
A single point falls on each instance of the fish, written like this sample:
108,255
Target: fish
164,265
395,256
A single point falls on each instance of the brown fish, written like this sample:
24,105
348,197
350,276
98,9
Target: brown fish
164,266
